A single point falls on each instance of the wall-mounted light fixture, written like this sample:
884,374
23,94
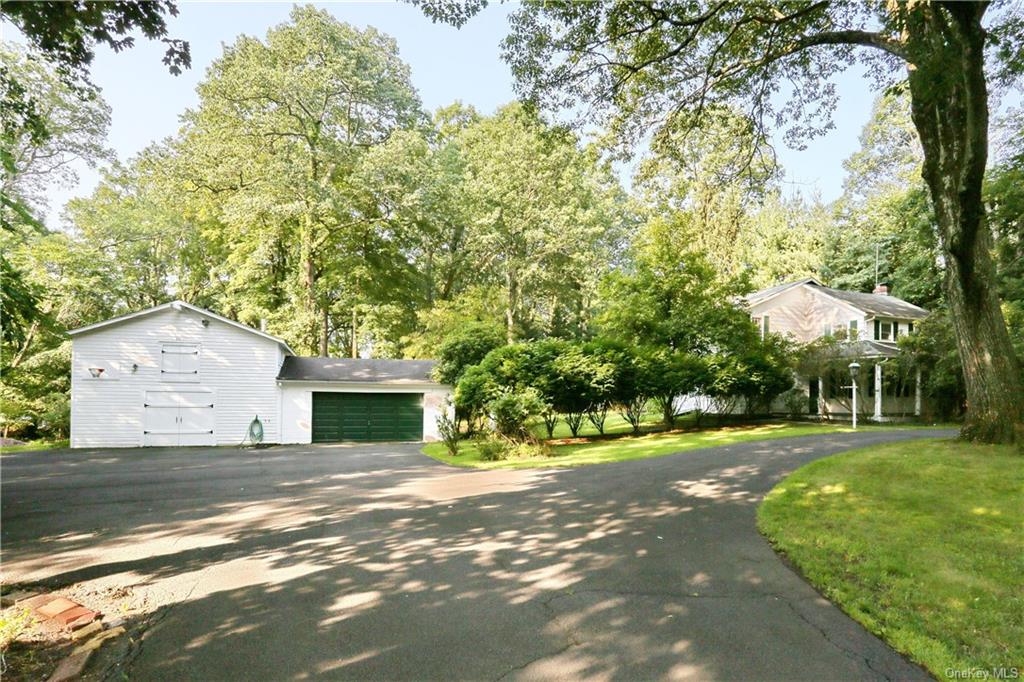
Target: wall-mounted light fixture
206,323
135,368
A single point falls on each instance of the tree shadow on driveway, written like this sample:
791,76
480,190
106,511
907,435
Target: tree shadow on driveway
379,563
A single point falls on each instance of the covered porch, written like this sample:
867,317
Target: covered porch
885,392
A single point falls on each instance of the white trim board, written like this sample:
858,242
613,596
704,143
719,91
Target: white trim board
179,306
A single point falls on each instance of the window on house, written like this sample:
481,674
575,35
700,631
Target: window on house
897,385
763,324
837,384
883,330
910,327
179,362
853,329
826,329
832,386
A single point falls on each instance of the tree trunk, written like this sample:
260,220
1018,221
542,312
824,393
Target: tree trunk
513,302
950,110
24,349
355,334
310,321
325,330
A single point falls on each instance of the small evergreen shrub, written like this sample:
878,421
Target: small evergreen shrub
511,409
448,427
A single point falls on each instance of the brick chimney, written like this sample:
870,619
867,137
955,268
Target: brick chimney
881,289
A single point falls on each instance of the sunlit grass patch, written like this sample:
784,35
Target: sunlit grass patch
629,447
921,542
34,446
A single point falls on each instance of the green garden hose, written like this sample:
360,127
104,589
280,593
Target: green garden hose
255,433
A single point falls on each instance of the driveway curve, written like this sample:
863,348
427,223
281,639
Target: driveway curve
376,562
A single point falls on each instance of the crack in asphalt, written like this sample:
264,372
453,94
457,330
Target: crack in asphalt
123,665
853,655
554,618
574,639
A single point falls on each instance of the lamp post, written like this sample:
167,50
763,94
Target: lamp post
854,369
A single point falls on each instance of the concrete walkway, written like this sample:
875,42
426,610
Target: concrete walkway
376,562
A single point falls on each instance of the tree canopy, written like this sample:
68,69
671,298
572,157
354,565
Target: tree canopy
657,68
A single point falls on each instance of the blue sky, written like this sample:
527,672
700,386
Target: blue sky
447,64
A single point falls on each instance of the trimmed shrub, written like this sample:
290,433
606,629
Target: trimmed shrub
511,410
465,348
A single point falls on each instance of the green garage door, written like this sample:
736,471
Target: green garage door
367,416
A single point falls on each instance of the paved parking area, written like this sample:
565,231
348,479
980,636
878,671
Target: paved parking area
377,562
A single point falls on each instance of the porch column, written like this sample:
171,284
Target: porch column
917,392
822,404
878,392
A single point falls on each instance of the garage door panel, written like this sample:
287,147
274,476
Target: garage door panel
367,416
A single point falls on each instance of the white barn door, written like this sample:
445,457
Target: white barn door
181,417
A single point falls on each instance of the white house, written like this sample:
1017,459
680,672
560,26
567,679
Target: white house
177,374
806,310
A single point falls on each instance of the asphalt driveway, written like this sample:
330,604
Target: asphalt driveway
376,562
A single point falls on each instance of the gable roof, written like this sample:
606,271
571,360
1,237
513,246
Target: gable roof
356,370
763,294
877,305
178,305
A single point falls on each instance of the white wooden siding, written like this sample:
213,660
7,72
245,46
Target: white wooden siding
241,367
801,314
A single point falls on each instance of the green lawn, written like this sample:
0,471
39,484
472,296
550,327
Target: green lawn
614,424
35,445
599,451
922,543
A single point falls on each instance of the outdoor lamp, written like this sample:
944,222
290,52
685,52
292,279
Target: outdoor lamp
854,370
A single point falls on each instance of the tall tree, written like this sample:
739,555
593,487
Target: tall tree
280,129
76,125
669,295
65,34
545,216
635,66
713,181
76,128
884,229
783,238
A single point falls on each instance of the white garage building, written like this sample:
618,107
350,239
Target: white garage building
177,374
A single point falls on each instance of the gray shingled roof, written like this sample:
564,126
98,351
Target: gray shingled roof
878,305
869,349
355,370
